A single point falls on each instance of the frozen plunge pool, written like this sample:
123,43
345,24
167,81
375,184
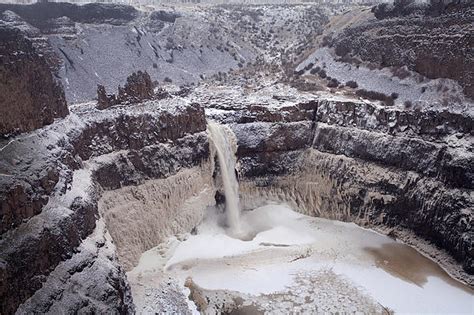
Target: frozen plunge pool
289,262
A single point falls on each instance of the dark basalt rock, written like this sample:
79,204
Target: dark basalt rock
44,14
105,100
45,234
30,97
138,88
395,167
164,16
25,198
151,162
401,8
436,47
33,255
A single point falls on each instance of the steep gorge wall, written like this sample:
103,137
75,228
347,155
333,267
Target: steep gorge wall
30,95
436,47
354,161
44,254
140,217
117,182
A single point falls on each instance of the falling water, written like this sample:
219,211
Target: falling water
224,142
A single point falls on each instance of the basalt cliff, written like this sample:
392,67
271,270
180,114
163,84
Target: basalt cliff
86,188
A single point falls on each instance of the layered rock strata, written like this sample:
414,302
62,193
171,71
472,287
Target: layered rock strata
434,46
350,160
62,173
138,88
88,194
30,96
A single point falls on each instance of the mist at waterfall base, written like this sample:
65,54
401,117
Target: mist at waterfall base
315,264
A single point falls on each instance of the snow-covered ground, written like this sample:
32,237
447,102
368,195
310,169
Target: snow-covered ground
181,44
438,93
315,264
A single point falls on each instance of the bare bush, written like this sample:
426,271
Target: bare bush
377,96
352,84
333,83
309,66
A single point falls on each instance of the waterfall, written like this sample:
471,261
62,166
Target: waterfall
224,143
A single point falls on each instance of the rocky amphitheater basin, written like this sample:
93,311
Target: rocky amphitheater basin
278,157
294,263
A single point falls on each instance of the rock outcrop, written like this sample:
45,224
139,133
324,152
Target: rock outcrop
30,96
44,15
51,238
138,88
102,43
344,159
434,46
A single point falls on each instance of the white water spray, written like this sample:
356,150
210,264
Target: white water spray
224,142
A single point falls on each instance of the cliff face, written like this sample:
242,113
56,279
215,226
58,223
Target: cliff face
434,46
83,197
177,45
136,174
78,160
344,159
46,15
30,97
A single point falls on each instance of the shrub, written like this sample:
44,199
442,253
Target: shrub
322,74
347,58
333,83
352,84
326,41
394,95
298,73
408,104
315,70
309,66
167,79
377,96
388,101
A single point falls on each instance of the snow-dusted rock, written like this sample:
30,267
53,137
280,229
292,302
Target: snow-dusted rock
353,160
30,96
76,159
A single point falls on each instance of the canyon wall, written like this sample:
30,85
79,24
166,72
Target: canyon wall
102,43
434,44
30,95
140,217
349,160
84,197
54,242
